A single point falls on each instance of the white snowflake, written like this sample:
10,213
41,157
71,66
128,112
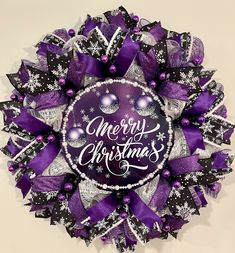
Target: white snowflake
220,132
126,116
18,81
92,109
176,191
188,79
54,86
184,211
113,215
160,136
82,111
60,72
146,136
207,127
85,118
131,101
160,56
194,176
99,169
64,206
33,82
215,89
126,174
94,48
101,224
107,175
144,229
50,195
63,222
90,166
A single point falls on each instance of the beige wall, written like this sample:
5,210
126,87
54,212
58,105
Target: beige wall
23,22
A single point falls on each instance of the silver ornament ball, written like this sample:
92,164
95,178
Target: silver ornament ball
109,103
145,105
76,137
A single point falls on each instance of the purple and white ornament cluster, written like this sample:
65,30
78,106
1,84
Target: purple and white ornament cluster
117,130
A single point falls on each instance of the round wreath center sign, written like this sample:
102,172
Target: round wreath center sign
116,134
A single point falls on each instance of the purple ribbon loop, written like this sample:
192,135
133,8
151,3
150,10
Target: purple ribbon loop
142,211
202,104
93,66
76,207
193,137
47,183
184,165
45,157
219,160
148,62
30,123
12,148
161,194
126,55
102,208
24,184
174,90
106,206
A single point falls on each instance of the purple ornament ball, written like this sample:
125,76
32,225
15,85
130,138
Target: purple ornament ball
185,122
61,197
68,187
112,69
126,200
70,93
123,215
71,32
104,58
176,184
166,173
51,138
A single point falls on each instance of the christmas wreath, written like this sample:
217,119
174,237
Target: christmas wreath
117,130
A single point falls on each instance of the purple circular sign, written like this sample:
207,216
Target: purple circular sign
116,134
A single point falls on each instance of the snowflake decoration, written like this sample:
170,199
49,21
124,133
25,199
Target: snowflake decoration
94,48
99,169
184,211
189,79
176,191
207,127
85,118
194,176
220,132
160,136
64,206
101,224
33,82
60,72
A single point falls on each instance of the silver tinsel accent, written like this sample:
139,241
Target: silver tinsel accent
146,191
135,73
51,116
58,167
180,147
90,194
173,107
